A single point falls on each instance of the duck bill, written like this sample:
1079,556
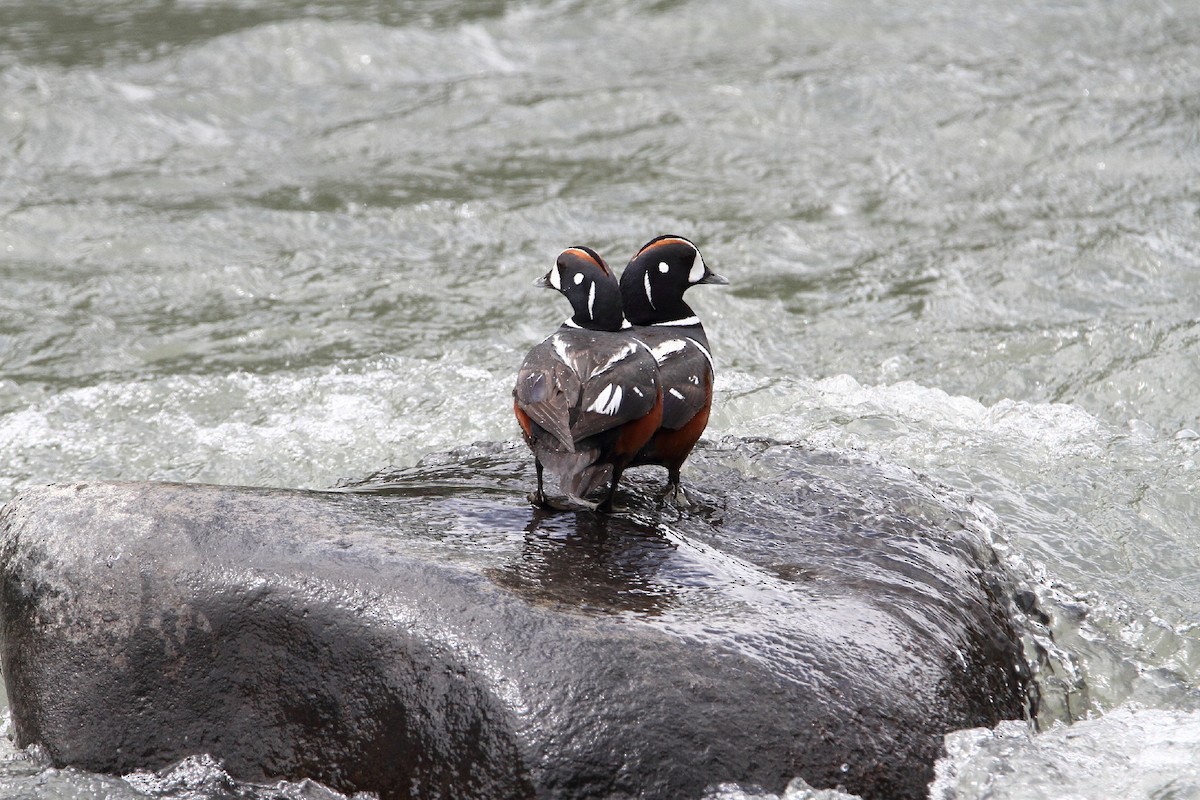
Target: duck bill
544,282
713,279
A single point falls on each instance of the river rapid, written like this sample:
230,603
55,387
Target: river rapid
256,242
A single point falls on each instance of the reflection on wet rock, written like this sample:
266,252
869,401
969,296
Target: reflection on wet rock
591,562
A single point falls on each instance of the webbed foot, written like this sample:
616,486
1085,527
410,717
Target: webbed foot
564,504
676,496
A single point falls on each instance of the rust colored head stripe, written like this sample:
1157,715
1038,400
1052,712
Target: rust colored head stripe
664,240
581,251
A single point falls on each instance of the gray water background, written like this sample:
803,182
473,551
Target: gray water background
284,244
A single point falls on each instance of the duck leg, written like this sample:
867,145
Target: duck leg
674,489
538,498
606,505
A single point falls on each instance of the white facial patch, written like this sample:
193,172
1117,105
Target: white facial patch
556,278
591,298
578,278
649,294
698,270
608,402
663,267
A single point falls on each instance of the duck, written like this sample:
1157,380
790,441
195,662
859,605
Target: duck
652,287
587,398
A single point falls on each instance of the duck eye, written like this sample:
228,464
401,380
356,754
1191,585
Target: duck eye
662,267
578,278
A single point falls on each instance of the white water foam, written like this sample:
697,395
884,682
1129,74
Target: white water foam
303,429
904,421
1128,753
797,789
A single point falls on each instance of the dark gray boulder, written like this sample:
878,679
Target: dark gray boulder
429,634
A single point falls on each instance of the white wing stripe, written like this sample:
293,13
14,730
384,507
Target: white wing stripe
625,352
560,347
608,401
666,349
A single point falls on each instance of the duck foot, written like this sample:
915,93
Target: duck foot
676,496
564,504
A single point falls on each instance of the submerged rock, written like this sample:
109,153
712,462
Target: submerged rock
429,634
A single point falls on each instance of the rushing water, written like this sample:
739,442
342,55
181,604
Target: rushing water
285,244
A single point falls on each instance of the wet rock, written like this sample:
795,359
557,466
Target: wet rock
429,634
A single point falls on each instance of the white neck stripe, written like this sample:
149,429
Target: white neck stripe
570,323
692,320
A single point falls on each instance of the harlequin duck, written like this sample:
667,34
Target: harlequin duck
652,288
588,397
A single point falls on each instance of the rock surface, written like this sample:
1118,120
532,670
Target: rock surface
429,634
